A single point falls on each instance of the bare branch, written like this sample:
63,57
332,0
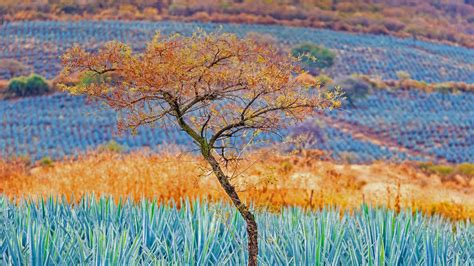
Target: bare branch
203,128
242,115
101,72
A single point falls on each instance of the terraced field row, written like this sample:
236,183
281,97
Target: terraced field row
394,126
40,44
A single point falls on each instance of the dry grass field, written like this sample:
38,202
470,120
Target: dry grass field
271,181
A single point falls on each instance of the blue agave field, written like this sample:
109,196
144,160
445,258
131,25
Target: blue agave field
403,126
40,44
397,126
429,126
99,232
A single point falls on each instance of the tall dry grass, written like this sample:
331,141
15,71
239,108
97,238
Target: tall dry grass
267,179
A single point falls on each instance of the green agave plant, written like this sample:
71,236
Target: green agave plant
100,232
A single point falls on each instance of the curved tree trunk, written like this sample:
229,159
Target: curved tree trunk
252,230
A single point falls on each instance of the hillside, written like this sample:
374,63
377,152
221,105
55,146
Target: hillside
387,125
446,21
393,126
40,45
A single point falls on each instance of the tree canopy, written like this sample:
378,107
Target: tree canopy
215,84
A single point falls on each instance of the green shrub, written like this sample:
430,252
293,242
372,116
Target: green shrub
314,57
466,169
112,146
46,161
442,170
28,86
17,86
36,84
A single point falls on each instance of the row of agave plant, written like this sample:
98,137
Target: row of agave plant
107,232
373,55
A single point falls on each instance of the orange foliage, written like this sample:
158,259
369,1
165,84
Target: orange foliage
269,180
214,86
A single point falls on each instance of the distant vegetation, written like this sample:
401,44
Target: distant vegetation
448,21
27,86
314,57
112,146
46,162
446,171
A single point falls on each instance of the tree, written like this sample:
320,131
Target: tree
215,87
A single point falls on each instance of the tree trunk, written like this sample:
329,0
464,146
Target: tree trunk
252,230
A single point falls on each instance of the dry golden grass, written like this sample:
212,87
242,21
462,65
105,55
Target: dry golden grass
270,181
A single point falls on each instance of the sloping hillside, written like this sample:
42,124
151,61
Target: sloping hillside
447,21
40,45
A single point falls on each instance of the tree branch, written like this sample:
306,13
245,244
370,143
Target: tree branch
203,128
242,115
100,72
179,116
